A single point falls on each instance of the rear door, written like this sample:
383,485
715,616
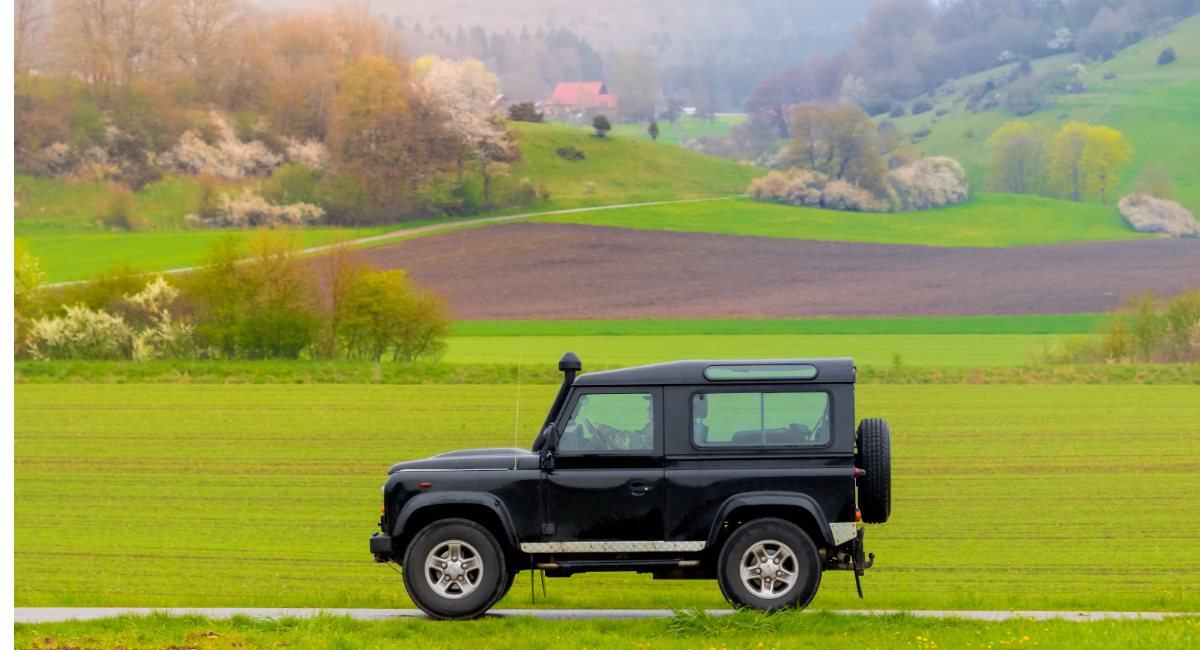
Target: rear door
607,481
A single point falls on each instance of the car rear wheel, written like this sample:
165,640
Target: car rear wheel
875,456
768,565
454,569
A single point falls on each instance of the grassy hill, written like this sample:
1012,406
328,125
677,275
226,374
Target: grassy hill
63,221
1155,106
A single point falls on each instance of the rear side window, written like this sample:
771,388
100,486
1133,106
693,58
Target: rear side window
760,419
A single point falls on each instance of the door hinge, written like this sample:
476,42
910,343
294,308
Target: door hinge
547,529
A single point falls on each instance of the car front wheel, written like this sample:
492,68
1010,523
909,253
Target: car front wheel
769,565
454,569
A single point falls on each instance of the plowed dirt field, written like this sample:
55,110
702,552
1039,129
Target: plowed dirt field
564,271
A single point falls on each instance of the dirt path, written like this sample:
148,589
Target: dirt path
563,271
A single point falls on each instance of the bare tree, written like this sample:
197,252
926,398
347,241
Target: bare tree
204,33
27,25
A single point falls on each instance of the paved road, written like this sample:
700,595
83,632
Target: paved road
48,614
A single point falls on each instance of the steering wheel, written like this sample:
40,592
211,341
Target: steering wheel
595,431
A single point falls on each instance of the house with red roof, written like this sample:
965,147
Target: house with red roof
587,96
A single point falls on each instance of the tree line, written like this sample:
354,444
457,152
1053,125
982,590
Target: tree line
1078,162
131,89
258,300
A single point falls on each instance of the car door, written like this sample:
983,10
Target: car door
607,480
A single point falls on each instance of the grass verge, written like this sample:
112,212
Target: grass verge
206,496
367,372
685,630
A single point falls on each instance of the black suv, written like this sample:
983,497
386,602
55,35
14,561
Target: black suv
744,471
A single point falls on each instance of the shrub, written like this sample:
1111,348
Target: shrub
1109,76
1025,67
228,158
921,107
570,153
345,198
970,133
385,314
941,111
249,210
121,210
653,130
27,289
875,107
104,290
602,125
311,153
930,183
841,195
81,334
1148,214
263,308
292,183
922,133
800,187
543,192
897,111
1143,330
1166,56
525,112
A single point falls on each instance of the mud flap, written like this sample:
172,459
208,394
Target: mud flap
861,562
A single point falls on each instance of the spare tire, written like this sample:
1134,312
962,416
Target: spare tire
874,455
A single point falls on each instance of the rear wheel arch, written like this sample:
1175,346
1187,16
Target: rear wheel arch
796,510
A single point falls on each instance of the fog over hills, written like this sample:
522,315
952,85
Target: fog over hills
732,43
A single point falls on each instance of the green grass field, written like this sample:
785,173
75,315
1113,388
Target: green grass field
685,630
1153,105
1042,324
1029,497
920,350
990,220
685,128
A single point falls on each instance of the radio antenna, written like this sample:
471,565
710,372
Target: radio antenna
517,417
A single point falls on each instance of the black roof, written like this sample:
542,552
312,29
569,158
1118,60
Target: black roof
838,370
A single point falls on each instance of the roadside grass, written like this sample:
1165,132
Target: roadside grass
1153,105
1025,497
1032,324
368,372
684,630
987,220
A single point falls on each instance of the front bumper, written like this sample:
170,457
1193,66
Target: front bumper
381,547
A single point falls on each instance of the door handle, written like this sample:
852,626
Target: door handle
639,489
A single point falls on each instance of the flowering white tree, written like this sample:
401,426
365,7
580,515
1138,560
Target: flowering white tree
466,93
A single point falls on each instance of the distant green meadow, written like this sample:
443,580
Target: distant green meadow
987,220
1034,324
1153,105
1025,497
684,630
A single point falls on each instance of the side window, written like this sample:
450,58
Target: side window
760,419
610,422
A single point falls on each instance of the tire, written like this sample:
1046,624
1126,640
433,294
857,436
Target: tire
875,456
461,592
774,537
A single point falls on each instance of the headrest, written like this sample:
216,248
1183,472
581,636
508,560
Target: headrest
699,407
